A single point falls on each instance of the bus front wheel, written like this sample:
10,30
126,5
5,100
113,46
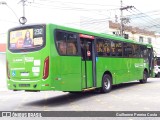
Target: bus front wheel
106,83
145,76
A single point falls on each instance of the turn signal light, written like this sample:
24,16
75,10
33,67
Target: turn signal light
7,70
46,68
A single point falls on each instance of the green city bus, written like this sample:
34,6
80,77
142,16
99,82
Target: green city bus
51,57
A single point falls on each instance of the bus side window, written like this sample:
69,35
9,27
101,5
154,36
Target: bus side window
113,48
143,51
61,42
62,47
66,43
125,53
71,49
99,46
127,50
119,48
103,47
136,50
130,50
72,44
107,47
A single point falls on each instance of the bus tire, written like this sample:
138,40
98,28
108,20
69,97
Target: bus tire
106,83
145,76
158,75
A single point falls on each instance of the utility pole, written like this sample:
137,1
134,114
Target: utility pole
23,19
23,1
122,18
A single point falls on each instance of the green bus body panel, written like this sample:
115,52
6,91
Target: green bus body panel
122,69
87,77
68,73
89,74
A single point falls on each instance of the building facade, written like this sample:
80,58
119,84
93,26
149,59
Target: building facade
2,47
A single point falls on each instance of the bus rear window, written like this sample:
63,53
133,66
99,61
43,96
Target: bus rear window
26,39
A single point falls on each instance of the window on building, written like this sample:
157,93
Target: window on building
149,40
140,39
126,36
116,33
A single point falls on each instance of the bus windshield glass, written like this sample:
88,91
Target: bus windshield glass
26,39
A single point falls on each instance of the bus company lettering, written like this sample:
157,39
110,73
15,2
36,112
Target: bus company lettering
139,65
29,59
17,60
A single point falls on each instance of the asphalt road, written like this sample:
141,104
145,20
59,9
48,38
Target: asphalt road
124,97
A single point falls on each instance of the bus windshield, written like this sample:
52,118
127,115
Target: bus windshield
26,39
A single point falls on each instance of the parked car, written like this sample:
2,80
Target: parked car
157,71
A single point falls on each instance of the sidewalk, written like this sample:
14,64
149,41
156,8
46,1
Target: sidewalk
3,89
3,86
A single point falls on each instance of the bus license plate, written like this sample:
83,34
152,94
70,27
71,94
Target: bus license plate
24,74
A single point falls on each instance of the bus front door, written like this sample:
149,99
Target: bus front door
88,63
151,61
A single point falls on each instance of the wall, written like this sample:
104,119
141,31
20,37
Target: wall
3,85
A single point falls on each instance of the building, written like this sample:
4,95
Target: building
3,41
2,47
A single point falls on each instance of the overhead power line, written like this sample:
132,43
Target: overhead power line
145,19
70,8
77,6
76,3
139,15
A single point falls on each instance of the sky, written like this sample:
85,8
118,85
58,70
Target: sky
75,13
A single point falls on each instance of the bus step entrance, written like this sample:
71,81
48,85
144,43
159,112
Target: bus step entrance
89,89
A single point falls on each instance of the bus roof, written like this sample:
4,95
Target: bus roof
101,35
